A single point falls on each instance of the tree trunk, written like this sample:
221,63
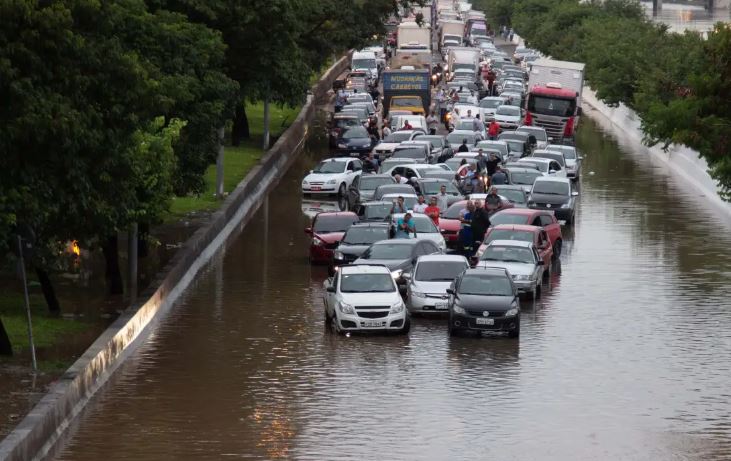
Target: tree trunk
265,135
48,292
143,245
240,128
111,256
5,347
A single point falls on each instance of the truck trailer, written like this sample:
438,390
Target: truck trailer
406,90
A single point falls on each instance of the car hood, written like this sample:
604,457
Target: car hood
513,268
571,163
330,237
387,146
366,195
506,118
356,142
486,302
392,264
548,198
449,224
439,288
434,237
352,250
371,299
322,177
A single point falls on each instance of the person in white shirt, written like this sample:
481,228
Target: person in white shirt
443,198
400,179
421,205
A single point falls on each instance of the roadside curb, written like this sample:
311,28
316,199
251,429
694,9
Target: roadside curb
687,163
36,435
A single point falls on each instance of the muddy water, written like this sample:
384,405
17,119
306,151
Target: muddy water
628,356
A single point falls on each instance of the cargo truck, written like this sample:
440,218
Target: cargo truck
463,58
554,97
406,90
410,34
450,27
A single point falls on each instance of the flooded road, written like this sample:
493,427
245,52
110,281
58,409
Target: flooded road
628,356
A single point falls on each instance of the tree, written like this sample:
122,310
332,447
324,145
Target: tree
5,347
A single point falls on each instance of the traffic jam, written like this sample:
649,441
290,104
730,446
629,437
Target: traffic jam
455,173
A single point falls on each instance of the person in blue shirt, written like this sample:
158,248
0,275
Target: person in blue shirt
465,233
405,227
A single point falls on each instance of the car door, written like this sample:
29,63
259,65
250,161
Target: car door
352,170
409,173
551,226
543,244
354,192
330,296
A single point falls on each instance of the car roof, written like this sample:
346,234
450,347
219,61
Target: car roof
508,187
364,269
398,194
370,224
337,159
463,132
455,258
547,151
553,179
486,271
521,169
534,160
399,242
336,213
517,227
440,180
376,203
511,243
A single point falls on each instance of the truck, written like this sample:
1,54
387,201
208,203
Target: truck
554,97
451,27
406,90
425,12
463,57
410,33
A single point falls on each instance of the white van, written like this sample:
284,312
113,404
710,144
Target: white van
365,61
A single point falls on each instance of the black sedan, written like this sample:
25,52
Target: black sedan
484,299
399,255
356,240
355,142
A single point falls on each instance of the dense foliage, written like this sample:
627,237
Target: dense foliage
680,84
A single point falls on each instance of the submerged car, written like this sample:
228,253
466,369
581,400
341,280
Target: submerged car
326,231
551,193
520,259
355,142
425,228
332,176
357,239
364,298
484,300
364,187
399,255
427,284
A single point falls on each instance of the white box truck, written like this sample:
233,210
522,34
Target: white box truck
451,27
463,58
411,34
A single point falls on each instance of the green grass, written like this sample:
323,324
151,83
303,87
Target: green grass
237,160
47,330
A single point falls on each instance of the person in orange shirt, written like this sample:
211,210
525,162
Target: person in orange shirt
433,210
493,130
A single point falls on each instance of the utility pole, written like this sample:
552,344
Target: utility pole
265,137
27,304
219,165
132,260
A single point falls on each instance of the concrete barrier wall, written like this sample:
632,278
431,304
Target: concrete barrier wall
683,161
39,431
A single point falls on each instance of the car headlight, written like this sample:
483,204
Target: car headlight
304,182
342,145
521,277
397,308
512,312
338,255
332,181
418,294
457,309
397,274
565,205
347,309
317,242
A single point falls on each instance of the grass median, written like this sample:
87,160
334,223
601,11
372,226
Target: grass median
237,160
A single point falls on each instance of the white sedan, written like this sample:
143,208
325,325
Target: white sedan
332,176
425,228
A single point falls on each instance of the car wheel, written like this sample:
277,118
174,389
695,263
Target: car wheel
450,327
570,220
407,325
557,249
539,291
547,272
328,319
341,191
515,332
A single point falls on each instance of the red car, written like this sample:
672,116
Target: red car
449,220
523,232
540,218
327,230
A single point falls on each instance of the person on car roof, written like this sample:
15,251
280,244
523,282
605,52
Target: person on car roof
463,147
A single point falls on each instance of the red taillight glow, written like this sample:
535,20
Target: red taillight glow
568,131
528,119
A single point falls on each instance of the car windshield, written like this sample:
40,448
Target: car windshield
508,254
457,138
436,141
524,178
551,188
388,164
406,101
515,146
439,271
509,234
551,106
366,283
423,224
485,285
355,132
568,152
388,251
453,212
329,166
346,122
465,124
364,64
514,195
397,137
365,235
325,224
507,218
510,111
540,135
409,153
370,183
432,187
542,166
380,211
491,103
551,156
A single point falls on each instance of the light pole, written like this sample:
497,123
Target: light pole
27,300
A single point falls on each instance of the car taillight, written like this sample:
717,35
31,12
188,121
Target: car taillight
568,130
528,119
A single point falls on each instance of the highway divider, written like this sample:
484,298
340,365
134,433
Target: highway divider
37,434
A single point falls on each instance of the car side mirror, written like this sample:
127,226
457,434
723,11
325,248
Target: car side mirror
575,193
330,289
308,230
450,291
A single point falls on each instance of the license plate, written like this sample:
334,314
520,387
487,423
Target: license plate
485,321
371,324
440,306
316,188
354,154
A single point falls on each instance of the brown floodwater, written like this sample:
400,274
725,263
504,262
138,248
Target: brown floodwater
627,356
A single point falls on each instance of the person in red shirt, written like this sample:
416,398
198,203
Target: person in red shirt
433,210
493,130
407,126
